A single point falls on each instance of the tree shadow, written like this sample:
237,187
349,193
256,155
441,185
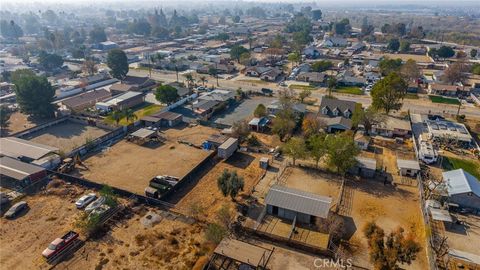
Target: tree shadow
240,160
378,189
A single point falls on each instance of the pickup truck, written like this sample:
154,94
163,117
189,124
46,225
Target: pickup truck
59,244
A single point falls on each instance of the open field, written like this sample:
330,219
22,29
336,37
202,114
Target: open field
206,196
444,100
310,180
67,135
389,207
169,244
130,166
23,239
405,57
352,90
139,112
302,87
463,237
19,122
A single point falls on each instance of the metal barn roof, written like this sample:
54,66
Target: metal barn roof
408,164
460,181
15,147
16,169
299,201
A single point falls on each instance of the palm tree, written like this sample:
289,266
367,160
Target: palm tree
332,84
174,61
129,115
151,59
203,79
189,79
117,116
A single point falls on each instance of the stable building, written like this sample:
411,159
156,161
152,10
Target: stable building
408,167
365,167
463,188
14,172
235,254
293,204
162,119
30,152
121,102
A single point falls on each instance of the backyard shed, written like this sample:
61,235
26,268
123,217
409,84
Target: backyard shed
235,254
215,140
408,167
463,188
291,203
228,148
162,119
143,135
264,162
365,167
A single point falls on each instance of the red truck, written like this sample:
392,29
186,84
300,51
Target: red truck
59,244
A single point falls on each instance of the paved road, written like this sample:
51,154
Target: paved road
422,105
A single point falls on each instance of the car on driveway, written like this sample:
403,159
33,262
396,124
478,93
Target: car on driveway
85,200
16,209
95,204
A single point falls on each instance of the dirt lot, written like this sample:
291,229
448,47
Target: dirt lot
130,166
464,237
206,195
405,57
67,135
169,244
389,207
19,122
23,239
313,181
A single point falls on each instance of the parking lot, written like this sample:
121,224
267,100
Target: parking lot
241,111
130,166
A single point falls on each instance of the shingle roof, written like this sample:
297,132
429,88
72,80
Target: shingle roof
87,98
342,105
459,181
298,201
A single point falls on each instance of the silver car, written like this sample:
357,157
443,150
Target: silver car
95,204
16,209
85,200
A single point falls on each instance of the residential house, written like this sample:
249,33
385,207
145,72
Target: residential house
162,119
274,107
336,113
271,75
133,84
259,124
316,78
85,100
349,80
311,52
121,102
361,140
210,102
334,42
293,204
264,73
439,130
447,90
356,47
463,188
392,127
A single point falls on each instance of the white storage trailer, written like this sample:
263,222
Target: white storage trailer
226,149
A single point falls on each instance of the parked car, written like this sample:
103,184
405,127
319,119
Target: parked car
16,209
99,210
59,244
95,204
85,200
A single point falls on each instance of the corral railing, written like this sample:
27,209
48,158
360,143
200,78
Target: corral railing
26,132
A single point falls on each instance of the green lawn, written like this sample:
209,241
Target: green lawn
301,87
471,166
439,99
411,96
353,90
139,112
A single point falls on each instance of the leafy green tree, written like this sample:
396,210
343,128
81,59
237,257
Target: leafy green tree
342,27
130,115
300,39
476,69
317,148
236,51
110,197
322,65
34,94
166,94
393,44
222,37
10,29
388,93
50,61
4,116
473,53
456,72
445,52
213,72
230,184
388,65
404,46
215,233
367,117
284,123
295,148
299,23
331,85
260,111
387,251
117,61
117,116
240,130
236,19
97,35
316,14
295,57
341,150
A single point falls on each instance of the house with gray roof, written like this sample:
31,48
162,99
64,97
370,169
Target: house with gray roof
289,203
462,188
336,113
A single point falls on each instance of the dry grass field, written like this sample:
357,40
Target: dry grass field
405,57
19,122
206,196
67,136
129,166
